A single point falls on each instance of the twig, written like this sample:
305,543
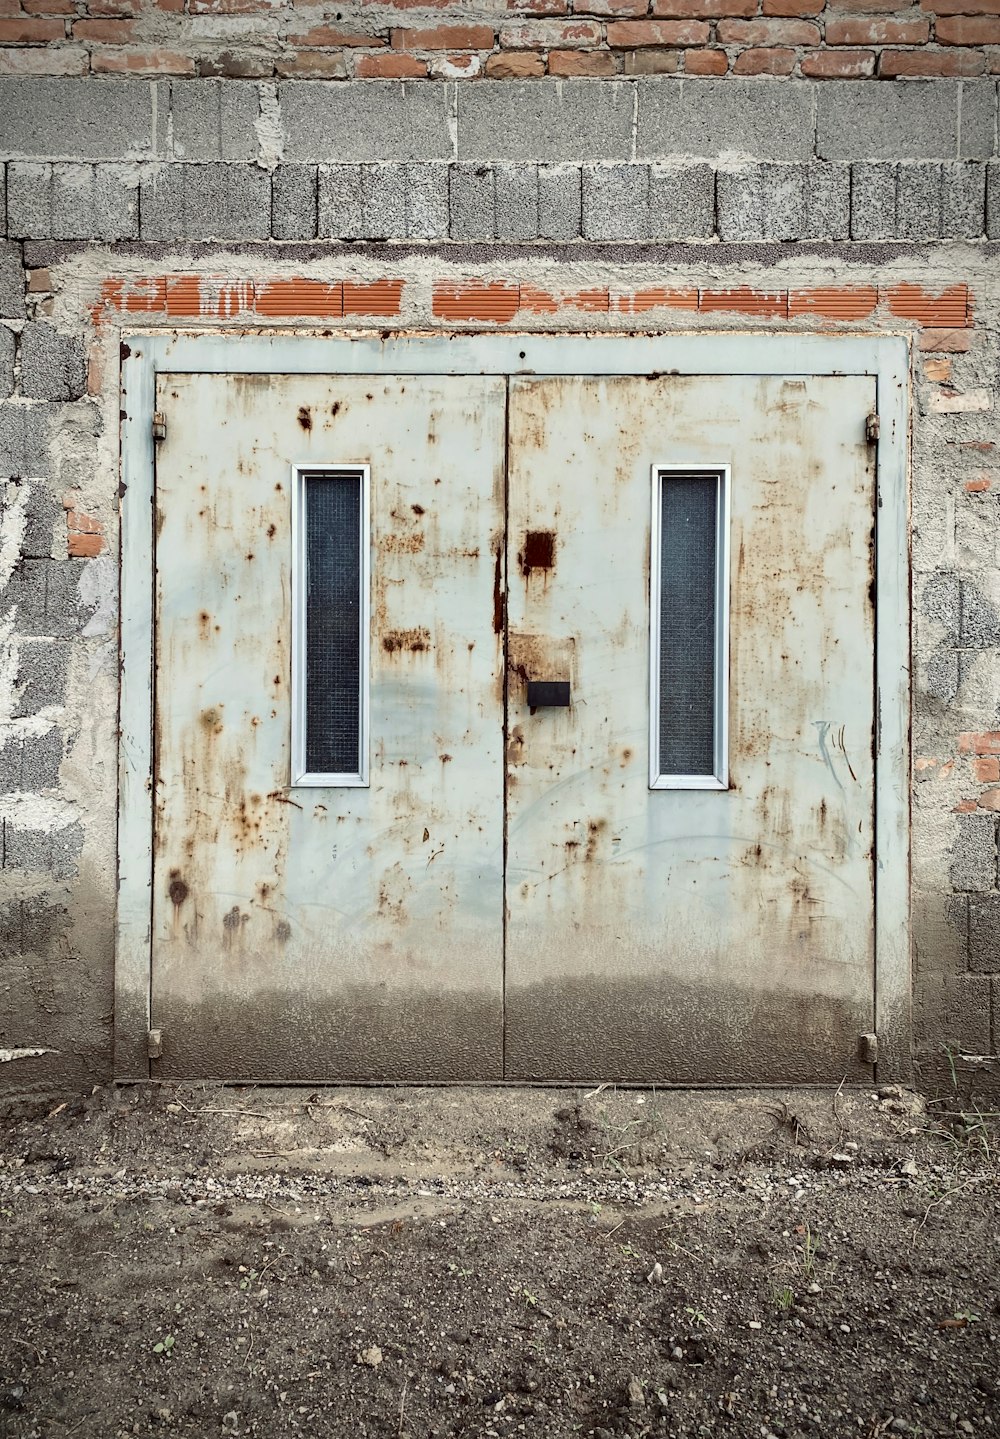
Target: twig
940,1200
402,1406
246,1357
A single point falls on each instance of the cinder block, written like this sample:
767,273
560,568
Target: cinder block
974,853
959,1015
941,675
762,202
30,926
984,934
206,202
918,202
59,118
41,510
980,620
681,202
339,202
427,201
41,676
53,365
3,199
32,764
95,202
993,200
615,202
366,121
46,597
873,202
893,120
828,202
739,204
940,602
515,202
293,202
24,434
214,119
6,362
55,852
940,933
11,282
29,200
977,140
963,201
383,202
545,120
471,202
706,119
559,202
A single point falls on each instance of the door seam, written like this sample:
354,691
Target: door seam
503,563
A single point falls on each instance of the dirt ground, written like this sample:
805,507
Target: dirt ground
487,1262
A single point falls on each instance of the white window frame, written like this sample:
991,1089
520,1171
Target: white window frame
300,775
719,779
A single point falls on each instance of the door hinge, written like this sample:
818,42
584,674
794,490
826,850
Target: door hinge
868,1048
154,1044
159,426
872,428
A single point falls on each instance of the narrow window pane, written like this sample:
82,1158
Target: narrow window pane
333,623
688,589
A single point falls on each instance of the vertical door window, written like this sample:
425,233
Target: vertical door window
689,629
330,526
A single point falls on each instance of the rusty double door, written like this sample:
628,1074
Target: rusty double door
505,888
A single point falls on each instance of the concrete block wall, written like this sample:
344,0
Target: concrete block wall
637,203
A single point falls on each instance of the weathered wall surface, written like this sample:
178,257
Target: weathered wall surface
629,204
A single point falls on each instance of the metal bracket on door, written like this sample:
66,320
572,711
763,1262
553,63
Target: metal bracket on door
548,694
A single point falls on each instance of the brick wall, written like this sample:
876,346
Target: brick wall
519,39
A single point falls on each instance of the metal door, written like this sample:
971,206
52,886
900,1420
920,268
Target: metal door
692,935
658,934
328,932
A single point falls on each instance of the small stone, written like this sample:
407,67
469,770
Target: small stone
755,1324
655,1275
909,1168
636,1398
372,1357
814,1288
677,1352
841,1160
966,1427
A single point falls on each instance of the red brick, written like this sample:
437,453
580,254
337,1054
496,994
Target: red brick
746,301
703,9
868,7
764,61
104,32
551,35
638,34
381,297
987,742
912,302
476,300
705,62
232,7
141,62
315,64
582,62
41,7
31,32
47,60
962,7
332,37
390,67
537,7
980,484
801,8
986,770
768,32
847,302
838,64
657,297
610,8
514,67
858,30
208,297
893,63
10,7
938,371
110,7
944,342
654,62
968,30
444,37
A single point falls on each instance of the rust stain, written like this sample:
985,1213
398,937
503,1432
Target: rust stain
417,509
305,418
178,890
283,931
539,551
408,544
412,641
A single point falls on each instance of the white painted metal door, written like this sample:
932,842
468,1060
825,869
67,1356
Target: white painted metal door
692,935
328,932
336,931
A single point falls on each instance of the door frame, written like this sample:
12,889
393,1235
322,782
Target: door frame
146,356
